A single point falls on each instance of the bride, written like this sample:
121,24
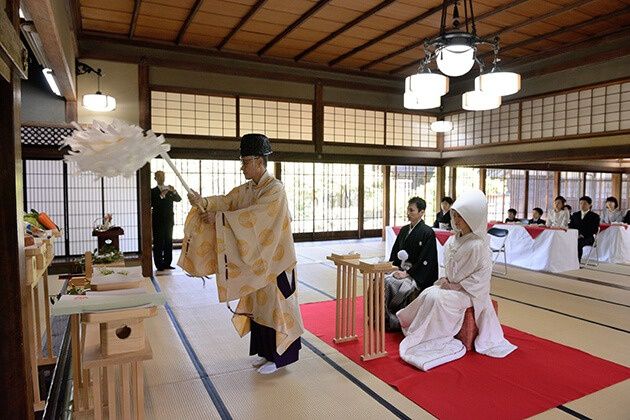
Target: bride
432,320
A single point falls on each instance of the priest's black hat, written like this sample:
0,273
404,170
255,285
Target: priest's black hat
255,145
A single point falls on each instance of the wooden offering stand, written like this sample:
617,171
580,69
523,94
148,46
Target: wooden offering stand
104,343
37,259
348,267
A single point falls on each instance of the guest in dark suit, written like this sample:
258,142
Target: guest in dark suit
162,217
626,218
586,222
443,217
537,217
511,216
421,268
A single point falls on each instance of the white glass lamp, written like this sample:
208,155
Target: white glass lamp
412,101
98,102
500,83
476,100
441,126
427,84
455,60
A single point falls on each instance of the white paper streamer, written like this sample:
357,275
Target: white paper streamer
113,149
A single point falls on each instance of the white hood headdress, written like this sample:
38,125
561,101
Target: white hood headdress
473,207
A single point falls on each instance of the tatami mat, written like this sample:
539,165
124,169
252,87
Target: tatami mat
312,388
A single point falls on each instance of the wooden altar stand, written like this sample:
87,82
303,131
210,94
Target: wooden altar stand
348,267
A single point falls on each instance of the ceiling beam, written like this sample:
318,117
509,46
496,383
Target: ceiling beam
113,39
389,33
512,28
563,152
344,28
240,24
188,21
48,27
134,18
564,29
421,42
290,28
530,21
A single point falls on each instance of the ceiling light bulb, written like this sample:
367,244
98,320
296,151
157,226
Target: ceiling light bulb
455,60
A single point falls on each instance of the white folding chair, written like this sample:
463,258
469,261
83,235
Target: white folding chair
498,246
595,248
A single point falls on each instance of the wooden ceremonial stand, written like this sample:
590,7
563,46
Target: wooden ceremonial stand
348,267
37,259
104,343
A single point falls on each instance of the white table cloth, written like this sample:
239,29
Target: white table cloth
614,245
552,250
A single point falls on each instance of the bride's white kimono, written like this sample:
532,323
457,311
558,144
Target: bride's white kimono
432,320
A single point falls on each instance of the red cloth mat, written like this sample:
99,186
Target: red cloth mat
534,231
536,377
604,226
442,236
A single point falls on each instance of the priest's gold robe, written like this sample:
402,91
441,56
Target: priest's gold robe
248,244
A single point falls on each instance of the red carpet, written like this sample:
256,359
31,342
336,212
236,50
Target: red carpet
538,376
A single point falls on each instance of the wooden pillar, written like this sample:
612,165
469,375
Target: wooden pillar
526,194
277,169
616,187
556,184
144,192
16,398
482,179
318,117
584,183
439,190
453,183
71,111
361,204
386,188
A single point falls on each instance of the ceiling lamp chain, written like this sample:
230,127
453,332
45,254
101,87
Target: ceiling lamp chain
455,52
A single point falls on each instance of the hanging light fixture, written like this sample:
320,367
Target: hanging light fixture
412,101
97,102
441,126
455,52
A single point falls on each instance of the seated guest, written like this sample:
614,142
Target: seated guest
537,217
432,320
612,213
626,218
559,215
421,268
586,222
511,216
443,217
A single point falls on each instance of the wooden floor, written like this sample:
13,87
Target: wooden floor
198,357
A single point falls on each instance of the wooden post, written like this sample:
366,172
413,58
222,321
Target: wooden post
345,301
454,183
616,187
386,206
526,194
318,117
145,174
439,191
361,204
374,308
16,398
482,179
556,184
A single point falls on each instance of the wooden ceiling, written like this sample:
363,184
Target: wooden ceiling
371,36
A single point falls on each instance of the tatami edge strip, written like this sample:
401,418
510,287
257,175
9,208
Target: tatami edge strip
503,277
573,412
605,271
316,289
356,381
569,276
560,313
203,375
